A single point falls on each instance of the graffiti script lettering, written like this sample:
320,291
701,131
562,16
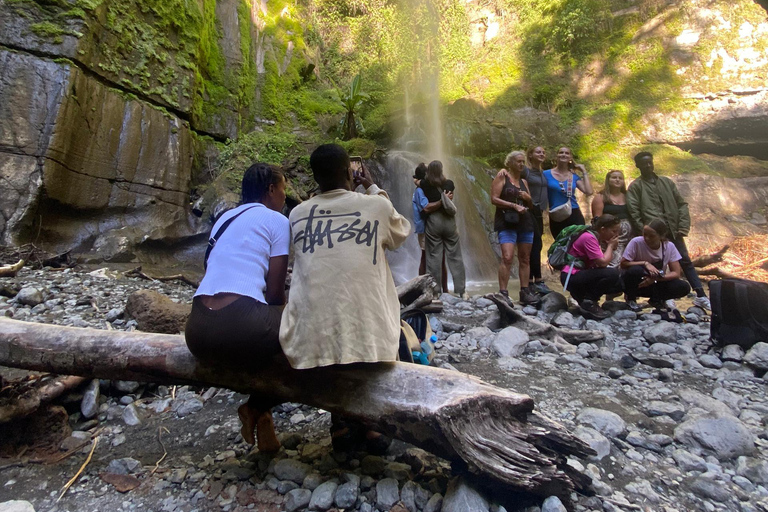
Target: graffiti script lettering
324,228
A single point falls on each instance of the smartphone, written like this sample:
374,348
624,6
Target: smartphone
356,162
571,165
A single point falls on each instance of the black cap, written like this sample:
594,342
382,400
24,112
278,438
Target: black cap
448,186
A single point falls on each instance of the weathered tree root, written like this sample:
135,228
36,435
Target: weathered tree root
136,272
418,293
494,432
31,400
538,329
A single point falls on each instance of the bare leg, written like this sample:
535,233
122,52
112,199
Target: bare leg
256,416
505,265
524,260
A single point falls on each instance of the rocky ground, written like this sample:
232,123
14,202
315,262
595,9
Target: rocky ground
677,423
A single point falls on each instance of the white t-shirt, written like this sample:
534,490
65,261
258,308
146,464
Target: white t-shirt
240,260
638,250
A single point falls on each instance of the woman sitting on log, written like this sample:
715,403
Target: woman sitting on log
236,311
514,224
613,199
652,268
594,279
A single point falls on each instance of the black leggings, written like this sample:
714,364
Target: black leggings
538,245
662,290
576,218
243,334
592,283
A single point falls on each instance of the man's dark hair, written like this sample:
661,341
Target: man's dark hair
421,171
449,186
257,179
640,155
330,164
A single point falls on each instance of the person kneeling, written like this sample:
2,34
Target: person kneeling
651,266
594,279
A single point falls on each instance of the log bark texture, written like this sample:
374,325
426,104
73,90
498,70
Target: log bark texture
709,259
418,293
494,432
538,329
30,401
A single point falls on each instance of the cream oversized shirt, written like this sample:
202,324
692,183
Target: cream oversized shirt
343,306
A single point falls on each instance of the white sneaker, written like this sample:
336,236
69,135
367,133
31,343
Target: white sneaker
703,303
670,303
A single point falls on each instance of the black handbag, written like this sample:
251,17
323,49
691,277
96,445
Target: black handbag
511,217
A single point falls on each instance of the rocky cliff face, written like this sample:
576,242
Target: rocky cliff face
108,110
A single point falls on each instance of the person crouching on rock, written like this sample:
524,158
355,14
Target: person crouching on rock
594,279
651,266
236,310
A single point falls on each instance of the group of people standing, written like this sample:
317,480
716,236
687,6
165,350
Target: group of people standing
608,260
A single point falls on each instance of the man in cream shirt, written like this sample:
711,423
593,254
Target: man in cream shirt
343,306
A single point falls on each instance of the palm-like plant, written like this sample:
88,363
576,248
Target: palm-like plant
351,125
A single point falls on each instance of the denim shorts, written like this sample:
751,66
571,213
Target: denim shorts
513,236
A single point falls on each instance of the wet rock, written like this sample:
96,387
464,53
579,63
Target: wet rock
346,495
757,356
564,319
398,471
689,461
124,466
553,302
322,496
30,296
553,504
126,386
657,408
131,415
606,422
733,353
710,489
435,503
595,440
16,506
387,493
290,469
756,471
624,314
461,497
710,361
188,407
510,342
615,373
373,465
653,360
89,406
725,435
660,333
297,499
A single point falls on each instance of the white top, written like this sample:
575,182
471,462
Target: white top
638,250
240,260
343,306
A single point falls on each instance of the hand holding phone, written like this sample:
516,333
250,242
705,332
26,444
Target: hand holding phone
360,175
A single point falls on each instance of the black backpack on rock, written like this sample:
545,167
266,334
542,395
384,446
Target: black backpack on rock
739,312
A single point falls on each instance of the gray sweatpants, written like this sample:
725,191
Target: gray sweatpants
442,235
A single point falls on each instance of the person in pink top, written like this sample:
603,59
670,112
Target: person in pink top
651,266
594,279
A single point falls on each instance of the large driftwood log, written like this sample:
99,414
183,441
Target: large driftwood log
11,270
495,432
537,329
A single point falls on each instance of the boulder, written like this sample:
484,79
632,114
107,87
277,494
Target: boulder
660,333
461,497
606,422
154,312
510,342
757,356
724,435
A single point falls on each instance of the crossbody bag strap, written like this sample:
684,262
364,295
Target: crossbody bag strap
212,241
